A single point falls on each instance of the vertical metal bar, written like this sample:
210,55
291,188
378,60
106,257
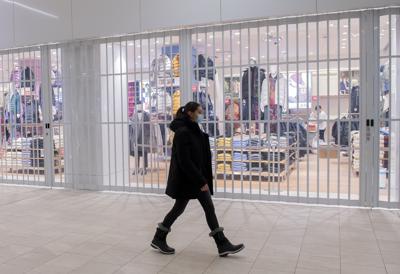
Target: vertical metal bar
350,85
287,109
297,120
108,117
150,123
122,113
259,116
48,138
126,123
268,123
318,86
328,100
338,104
390,110
308,109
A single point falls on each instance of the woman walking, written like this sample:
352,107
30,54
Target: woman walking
190,177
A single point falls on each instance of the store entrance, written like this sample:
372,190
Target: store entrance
282,101
25,148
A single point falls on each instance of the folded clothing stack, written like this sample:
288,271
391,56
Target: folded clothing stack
224,142
240,141
224,157
238,163
255,142
224,168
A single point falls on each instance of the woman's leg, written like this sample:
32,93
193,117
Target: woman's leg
208,207
175,212
225,247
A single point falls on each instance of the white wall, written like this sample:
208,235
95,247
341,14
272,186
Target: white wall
29,22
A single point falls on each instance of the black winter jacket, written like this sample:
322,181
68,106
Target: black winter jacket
190,167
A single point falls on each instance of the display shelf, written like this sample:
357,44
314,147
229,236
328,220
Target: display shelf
265,176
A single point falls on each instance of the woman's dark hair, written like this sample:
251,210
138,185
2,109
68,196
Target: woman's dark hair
183,111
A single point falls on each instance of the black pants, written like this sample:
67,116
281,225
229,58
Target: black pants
322,134
180,205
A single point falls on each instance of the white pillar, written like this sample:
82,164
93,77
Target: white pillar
82,115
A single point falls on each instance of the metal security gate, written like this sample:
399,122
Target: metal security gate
386,157
25,153
291,109
262,85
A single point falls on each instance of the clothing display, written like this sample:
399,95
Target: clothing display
341,131
224,157
31,111
160,101
224,168
239,163
176,66
176,101
160,68
240,141
27,78
224,142
140,134
200,68
251,82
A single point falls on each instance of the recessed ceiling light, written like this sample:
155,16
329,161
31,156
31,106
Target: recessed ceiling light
237,33
109,46
246,47
344,33
217,49
331,24
343,47
238,42
345,26
199,40
130,44
211,36
139,56
262,56
208,45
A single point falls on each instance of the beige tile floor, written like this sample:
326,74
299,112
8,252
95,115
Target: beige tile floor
58,231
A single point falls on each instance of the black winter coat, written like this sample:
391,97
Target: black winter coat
190,167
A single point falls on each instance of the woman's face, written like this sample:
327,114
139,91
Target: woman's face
196,115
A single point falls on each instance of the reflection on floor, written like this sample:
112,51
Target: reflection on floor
58,231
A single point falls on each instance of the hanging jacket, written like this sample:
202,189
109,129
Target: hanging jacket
140,134
160,68
31,111
205,101
190,167
201,71
255,76
176,66
28,78
15,103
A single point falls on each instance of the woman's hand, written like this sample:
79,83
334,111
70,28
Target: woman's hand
205,188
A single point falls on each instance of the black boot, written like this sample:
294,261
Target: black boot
160,240
225,247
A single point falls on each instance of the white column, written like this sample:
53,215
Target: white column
82,113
